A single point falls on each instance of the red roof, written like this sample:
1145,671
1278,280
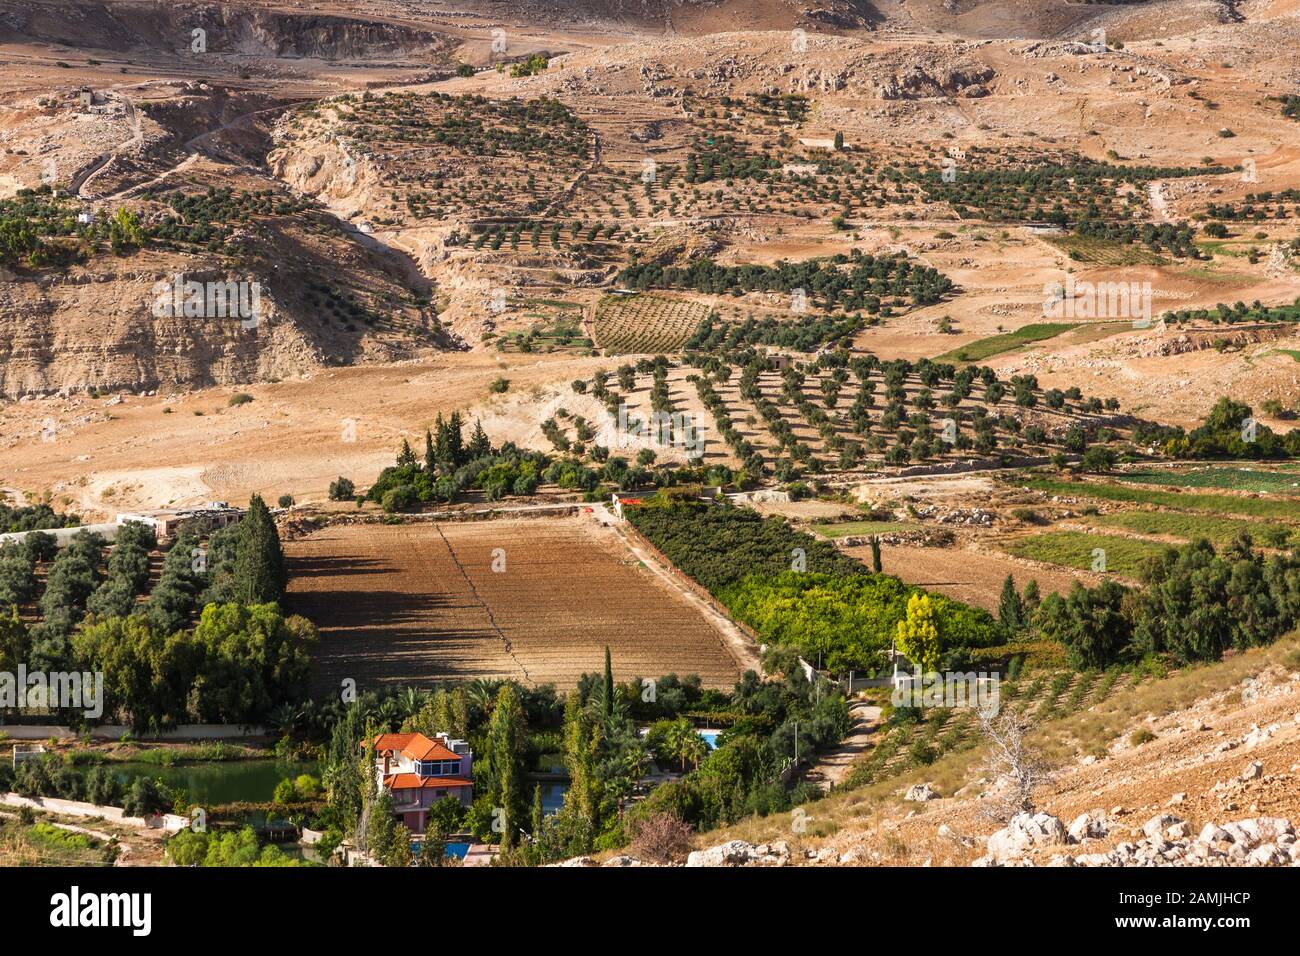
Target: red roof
415,746
413,781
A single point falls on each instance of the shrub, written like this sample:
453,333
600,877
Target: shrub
660,837
341,489
401,498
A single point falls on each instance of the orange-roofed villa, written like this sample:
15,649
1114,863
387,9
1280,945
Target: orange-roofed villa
418,771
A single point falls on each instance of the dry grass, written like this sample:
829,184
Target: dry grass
860,817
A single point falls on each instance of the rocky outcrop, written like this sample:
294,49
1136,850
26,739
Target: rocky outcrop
1166,840
740,853
924,83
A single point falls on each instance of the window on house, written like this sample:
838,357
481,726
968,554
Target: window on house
438,768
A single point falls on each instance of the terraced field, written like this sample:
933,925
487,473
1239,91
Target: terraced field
1186,527
535,600
1047,694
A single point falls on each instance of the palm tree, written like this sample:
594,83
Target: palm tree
390,713
412,699
685,744
482,695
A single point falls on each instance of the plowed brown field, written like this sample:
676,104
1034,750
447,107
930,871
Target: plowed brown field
415,604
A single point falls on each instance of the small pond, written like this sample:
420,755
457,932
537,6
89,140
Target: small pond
216,782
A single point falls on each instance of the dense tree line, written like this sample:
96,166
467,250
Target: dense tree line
241,659
1223,314
34,518
713,335
794,589
1178,240
1197,603
51,776
1229,431
860,286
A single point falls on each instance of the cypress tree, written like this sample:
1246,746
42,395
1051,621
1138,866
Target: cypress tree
442,444
537,812
1011,612
609,684
875,555
430,461
479,445
1030,601
405,457
456,440
260,575
505,753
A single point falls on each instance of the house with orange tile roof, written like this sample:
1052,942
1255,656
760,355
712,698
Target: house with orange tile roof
418,771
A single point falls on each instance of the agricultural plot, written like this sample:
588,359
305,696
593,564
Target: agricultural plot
854,529
1218,531
1180,501
645,323
1108,252
421,603
997,344
1095,552
826,417
1235,479
973,577
1047,694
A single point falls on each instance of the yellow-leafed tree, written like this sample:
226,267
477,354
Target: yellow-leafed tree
918,634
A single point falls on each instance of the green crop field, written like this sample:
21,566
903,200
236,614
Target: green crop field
1075,549
996,344
1235,479
1183,501
1219,531
850,529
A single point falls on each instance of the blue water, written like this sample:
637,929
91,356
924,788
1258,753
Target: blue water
710,737
552,797
458,850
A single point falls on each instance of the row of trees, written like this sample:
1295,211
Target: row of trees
1197,603
862,286
242,658
796,590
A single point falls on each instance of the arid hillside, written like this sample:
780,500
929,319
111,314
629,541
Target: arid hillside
1192,769
471,189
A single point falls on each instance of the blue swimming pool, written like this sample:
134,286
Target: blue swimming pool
458,850
710,737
